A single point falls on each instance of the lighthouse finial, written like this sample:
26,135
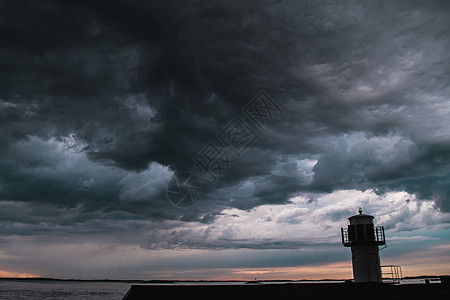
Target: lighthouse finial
360,210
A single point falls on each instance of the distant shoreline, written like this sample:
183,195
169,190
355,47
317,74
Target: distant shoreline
189,280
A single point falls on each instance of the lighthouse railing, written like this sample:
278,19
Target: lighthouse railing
392,273
344,236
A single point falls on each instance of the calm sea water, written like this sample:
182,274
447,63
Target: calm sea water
58,290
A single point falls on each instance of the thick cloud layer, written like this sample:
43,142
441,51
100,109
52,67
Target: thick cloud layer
102,104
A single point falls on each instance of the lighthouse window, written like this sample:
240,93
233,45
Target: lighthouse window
351,233
369,232
356,233
360,232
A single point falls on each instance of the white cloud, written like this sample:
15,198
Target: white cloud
412,238
72,173
301,222
61,159
5,104
141,186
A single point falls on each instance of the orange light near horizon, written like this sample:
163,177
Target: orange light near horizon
340,270
6,274
252,272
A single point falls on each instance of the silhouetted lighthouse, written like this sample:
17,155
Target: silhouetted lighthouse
364,238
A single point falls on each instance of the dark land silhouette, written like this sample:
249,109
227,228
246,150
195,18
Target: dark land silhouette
363,291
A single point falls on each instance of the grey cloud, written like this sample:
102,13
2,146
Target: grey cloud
128,85
353,160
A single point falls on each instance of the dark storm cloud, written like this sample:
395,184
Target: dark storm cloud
101,102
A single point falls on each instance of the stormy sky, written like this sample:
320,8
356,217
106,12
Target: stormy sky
221,139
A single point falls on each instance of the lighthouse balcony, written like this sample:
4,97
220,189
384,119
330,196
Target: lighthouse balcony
363,234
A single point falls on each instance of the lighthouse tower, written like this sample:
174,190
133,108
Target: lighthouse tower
364,238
